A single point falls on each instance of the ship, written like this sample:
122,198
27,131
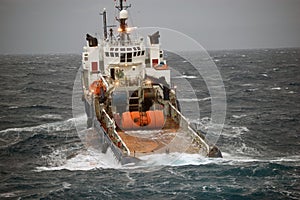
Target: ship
130,102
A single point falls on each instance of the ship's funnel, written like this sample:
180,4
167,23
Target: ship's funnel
154,38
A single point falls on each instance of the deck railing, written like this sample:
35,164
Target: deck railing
111,129
185,125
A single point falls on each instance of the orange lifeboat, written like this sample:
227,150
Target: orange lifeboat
98,88
161,66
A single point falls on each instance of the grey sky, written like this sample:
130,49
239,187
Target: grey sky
59,26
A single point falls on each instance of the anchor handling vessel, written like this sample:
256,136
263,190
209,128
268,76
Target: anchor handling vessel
129,99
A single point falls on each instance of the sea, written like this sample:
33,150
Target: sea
42,156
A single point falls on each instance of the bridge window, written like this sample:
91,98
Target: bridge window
122,57
129,57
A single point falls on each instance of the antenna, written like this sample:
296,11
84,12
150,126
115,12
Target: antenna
105,26
121,6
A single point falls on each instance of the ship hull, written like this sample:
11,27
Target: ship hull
95,138
171,138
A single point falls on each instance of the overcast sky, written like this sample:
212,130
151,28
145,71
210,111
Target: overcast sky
59,26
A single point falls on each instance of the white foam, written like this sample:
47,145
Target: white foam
238,116
50,116
235,132
8,195
13,107
194,100
276,88
94,160
186,77
174,159
86,160
55,126
246,84
237,158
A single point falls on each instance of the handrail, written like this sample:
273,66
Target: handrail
115,132
188,127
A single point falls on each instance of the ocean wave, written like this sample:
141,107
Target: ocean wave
193,100
275,88
251,89
84,161
13,136
247,84
186,77
13,107
90,160
234,159
49,116
239,116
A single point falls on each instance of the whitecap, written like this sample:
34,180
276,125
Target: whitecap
174,159
186,77
55,126
276,88
194,100
246,84
8,195
238,116
236,132
13,107
84,161
50,116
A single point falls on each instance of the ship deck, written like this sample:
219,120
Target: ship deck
170,139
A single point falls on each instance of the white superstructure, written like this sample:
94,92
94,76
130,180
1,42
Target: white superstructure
122,58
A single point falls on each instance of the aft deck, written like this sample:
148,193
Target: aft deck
170,139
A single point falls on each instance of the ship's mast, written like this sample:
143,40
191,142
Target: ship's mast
104,24
123,15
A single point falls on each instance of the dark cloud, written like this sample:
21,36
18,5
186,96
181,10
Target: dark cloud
59,26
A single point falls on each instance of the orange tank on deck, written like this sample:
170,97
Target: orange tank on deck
152,119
